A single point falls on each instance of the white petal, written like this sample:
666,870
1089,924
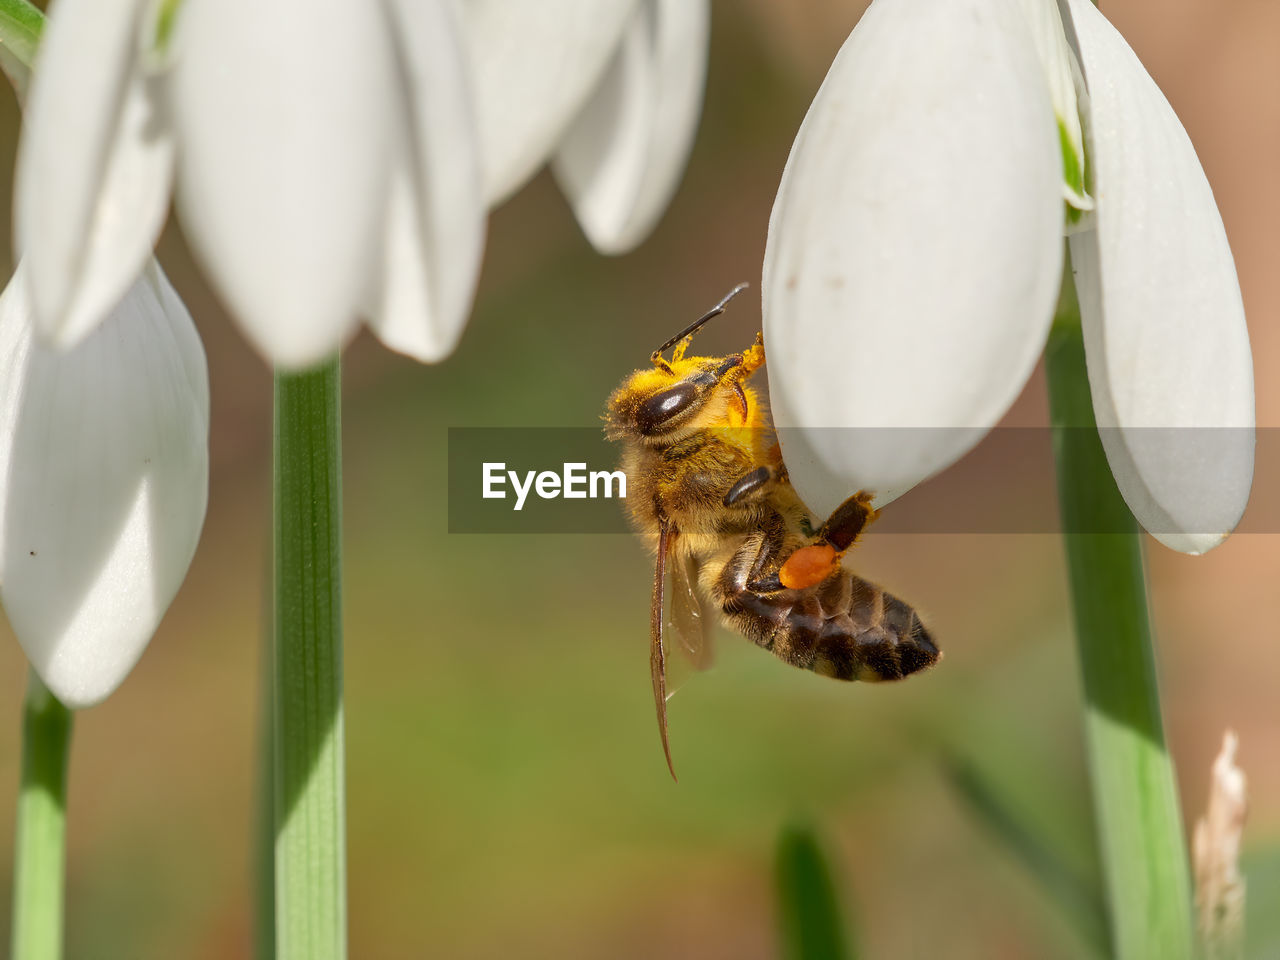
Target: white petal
534,66
621,160
1062,74
1164,327
284,112
94,168
104,470
435,224
914,248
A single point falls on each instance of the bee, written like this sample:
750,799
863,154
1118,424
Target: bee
709,493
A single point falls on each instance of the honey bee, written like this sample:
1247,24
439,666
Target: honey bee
709,493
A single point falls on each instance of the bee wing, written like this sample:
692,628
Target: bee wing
688,617
657,654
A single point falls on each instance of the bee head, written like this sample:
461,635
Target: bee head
675,398
671,400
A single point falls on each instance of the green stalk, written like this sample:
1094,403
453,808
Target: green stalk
310,810
1143,850
39,851
263,865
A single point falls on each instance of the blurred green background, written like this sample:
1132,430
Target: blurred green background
507,794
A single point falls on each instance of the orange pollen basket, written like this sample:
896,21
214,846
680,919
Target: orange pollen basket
809,566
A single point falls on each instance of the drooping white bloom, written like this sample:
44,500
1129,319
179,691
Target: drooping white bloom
328,165
104,475
915,248
324,155
609,90
622,158
333,160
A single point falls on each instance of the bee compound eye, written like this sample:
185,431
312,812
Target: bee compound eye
661,408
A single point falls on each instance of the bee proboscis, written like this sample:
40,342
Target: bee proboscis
709,492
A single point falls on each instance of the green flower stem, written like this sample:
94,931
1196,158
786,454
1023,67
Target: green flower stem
39,852
310,845
1135,797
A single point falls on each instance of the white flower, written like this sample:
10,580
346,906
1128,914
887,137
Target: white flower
327,165
610,90
323,151
104,476
327,156
915,248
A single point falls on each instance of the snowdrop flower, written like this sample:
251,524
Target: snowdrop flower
323,154
915,251
104,476
608,90
327,156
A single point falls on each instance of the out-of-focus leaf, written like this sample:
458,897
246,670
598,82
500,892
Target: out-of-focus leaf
1076,896
809,915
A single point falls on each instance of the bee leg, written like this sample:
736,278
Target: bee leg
751,485
763,575
847,521
752,571
816,561
678,353
753,356
750,595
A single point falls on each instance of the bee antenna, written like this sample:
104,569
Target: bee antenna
691,328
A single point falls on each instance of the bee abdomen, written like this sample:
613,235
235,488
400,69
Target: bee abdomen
845,627
878,637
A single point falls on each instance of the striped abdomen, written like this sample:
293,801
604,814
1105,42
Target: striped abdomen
845,627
